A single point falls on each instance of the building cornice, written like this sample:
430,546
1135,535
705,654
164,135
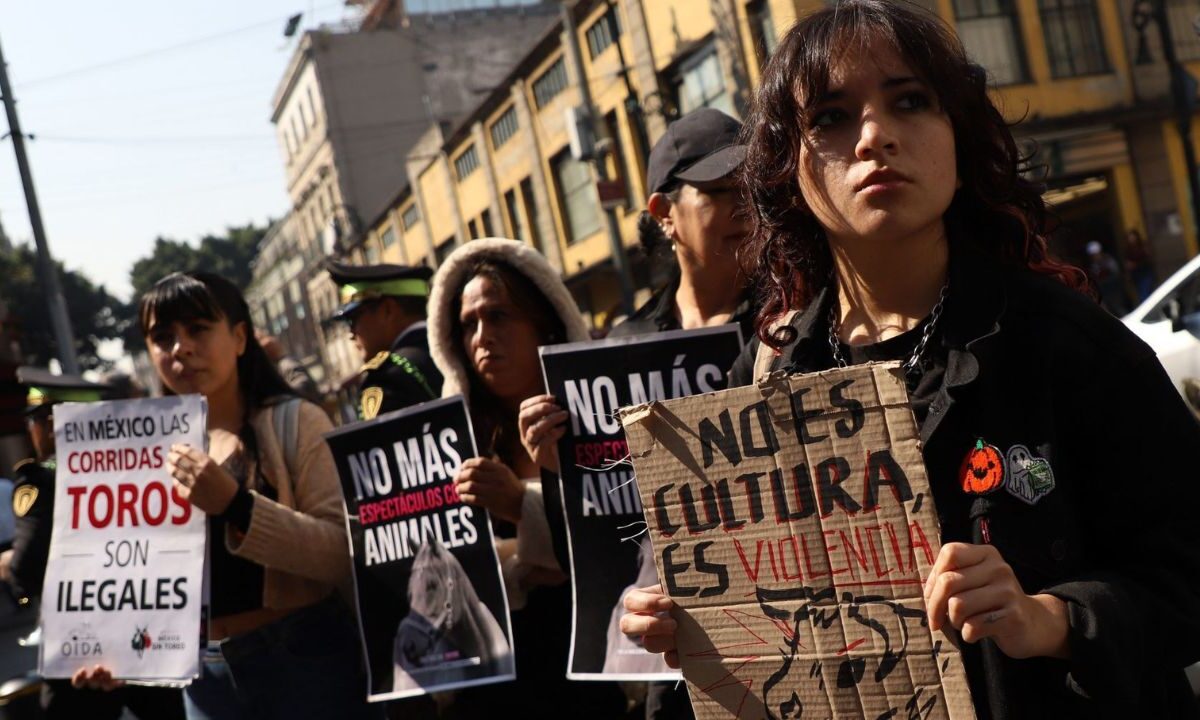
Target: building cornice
296,65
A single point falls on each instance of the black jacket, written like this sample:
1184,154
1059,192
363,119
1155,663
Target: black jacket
658,314
1030,362
402,376
33,511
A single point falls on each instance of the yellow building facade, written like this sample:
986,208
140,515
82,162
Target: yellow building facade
1097,120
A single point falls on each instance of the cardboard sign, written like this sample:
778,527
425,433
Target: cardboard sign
793,524
431,605
125,571
609,554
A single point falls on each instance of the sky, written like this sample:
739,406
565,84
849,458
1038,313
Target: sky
150,119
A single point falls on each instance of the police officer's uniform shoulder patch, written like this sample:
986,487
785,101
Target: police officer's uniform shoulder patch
370,402
375,362
23,499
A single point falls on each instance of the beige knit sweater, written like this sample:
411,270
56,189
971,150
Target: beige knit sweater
299,538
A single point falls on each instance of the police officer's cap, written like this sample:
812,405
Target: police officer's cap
363,283
46,388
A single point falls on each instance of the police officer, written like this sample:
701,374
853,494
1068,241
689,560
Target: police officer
384,306
24,565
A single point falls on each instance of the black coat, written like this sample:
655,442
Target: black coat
402,376
33,511
658,314
1030,362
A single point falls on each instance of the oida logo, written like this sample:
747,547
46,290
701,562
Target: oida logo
140,641
81,642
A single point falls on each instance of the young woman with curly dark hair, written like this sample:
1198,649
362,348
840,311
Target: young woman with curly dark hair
892,220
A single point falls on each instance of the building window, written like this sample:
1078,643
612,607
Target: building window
531,215
762,30
371,253
442,251
485,224
577,197
1182,15
512,211
1073,39
701,85
298,299
312,106
550,84
410,217
603,33
295,133
504,128
303,121
991,33
617,170
466,163
388,238
473,229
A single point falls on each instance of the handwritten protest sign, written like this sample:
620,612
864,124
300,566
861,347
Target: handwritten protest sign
432,609
599,500
793,523
123,580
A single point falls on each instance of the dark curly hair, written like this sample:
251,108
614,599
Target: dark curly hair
787,253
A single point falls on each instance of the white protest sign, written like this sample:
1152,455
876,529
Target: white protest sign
123,580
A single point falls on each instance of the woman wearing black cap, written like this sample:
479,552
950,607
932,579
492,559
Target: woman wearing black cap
693,208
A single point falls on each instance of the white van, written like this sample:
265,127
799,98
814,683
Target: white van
1169,322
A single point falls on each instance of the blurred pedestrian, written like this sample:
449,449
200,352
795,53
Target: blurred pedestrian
1139,264
24,566
290,369
494,302
385,307
1105,274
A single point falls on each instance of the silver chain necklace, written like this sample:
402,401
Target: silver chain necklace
914,362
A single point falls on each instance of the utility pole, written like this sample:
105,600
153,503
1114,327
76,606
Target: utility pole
620,260
54,297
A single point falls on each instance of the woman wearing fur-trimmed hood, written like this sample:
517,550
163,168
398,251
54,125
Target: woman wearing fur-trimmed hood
494,301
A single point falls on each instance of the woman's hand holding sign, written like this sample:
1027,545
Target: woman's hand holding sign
493,486
96,677
200,480
542,424
648,621
973,589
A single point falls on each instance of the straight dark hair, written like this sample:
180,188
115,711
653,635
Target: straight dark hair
998,208
184,297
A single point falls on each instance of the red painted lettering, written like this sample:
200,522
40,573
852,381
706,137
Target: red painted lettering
76,494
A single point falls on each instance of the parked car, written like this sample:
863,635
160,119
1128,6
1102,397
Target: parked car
1169,321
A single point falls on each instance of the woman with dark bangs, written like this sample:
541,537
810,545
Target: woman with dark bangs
281,644
891,220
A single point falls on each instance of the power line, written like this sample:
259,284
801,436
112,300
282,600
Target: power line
160,51
152,139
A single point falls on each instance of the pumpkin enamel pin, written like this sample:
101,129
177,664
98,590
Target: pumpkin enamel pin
982,470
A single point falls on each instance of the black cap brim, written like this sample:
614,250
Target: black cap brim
343,313
714,166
